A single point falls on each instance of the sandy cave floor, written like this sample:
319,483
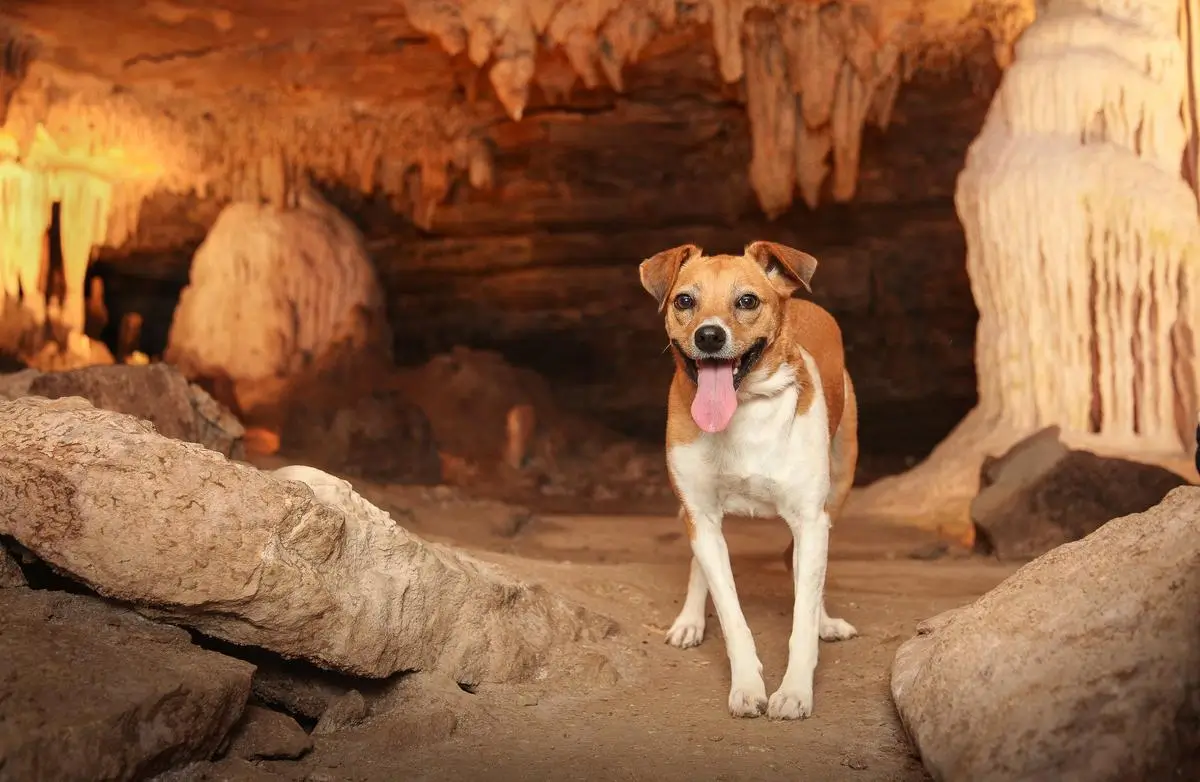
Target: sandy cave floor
639,709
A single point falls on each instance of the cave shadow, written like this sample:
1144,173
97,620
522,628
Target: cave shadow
143,284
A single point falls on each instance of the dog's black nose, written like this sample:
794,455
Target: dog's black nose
709,339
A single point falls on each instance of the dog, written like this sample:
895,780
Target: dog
761,421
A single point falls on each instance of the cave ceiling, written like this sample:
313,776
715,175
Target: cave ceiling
243,100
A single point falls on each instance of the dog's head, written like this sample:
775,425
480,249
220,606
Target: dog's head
723,311
725,308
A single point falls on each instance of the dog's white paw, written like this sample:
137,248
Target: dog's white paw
686,632
748,699
836,629
790,704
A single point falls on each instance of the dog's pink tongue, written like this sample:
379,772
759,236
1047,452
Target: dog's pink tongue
715,399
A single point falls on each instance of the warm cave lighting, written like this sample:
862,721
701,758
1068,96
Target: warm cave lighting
581,390
98,192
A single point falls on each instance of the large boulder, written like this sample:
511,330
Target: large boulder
297,563
1041,494
90,691
1084,664
278,299
158,393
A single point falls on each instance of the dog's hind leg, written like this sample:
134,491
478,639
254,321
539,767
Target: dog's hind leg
843,459
843,454
688,628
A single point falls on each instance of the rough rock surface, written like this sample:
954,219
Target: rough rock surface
263,734
376,434
1041,494
16,384
345,711
159,393
1084,664
141,697
228,770
306,570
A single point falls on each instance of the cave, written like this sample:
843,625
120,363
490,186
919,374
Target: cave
399,243
511,216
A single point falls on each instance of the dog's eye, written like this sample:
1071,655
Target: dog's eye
747,301
684,301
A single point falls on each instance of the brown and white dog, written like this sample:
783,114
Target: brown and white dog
761,421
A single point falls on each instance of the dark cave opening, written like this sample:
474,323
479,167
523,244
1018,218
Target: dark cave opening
140,295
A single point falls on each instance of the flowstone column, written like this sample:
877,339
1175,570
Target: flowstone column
1083,247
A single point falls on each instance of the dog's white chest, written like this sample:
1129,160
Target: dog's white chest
766,458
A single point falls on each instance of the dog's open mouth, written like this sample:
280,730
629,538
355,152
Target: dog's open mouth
717,381
742,366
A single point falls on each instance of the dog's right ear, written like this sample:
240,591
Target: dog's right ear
658,272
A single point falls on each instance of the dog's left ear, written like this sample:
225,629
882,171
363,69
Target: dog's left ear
785,267
658,272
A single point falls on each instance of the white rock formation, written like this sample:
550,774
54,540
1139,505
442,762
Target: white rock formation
1083,248
275,295
187,536
28,191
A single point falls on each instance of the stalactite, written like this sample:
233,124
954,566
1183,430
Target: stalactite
85,203
840,63
1083,247
24,218
840,67
772,107
98,188
16,53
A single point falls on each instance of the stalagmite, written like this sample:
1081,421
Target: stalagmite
1083,250
275,296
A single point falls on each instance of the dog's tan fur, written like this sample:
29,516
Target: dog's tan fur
760,463
788,324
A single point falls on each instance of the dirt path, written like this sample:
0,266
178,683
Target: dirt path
641,710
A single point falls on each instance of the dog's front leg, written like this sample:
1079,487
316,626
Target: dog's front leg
810,533
688,628
747,693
